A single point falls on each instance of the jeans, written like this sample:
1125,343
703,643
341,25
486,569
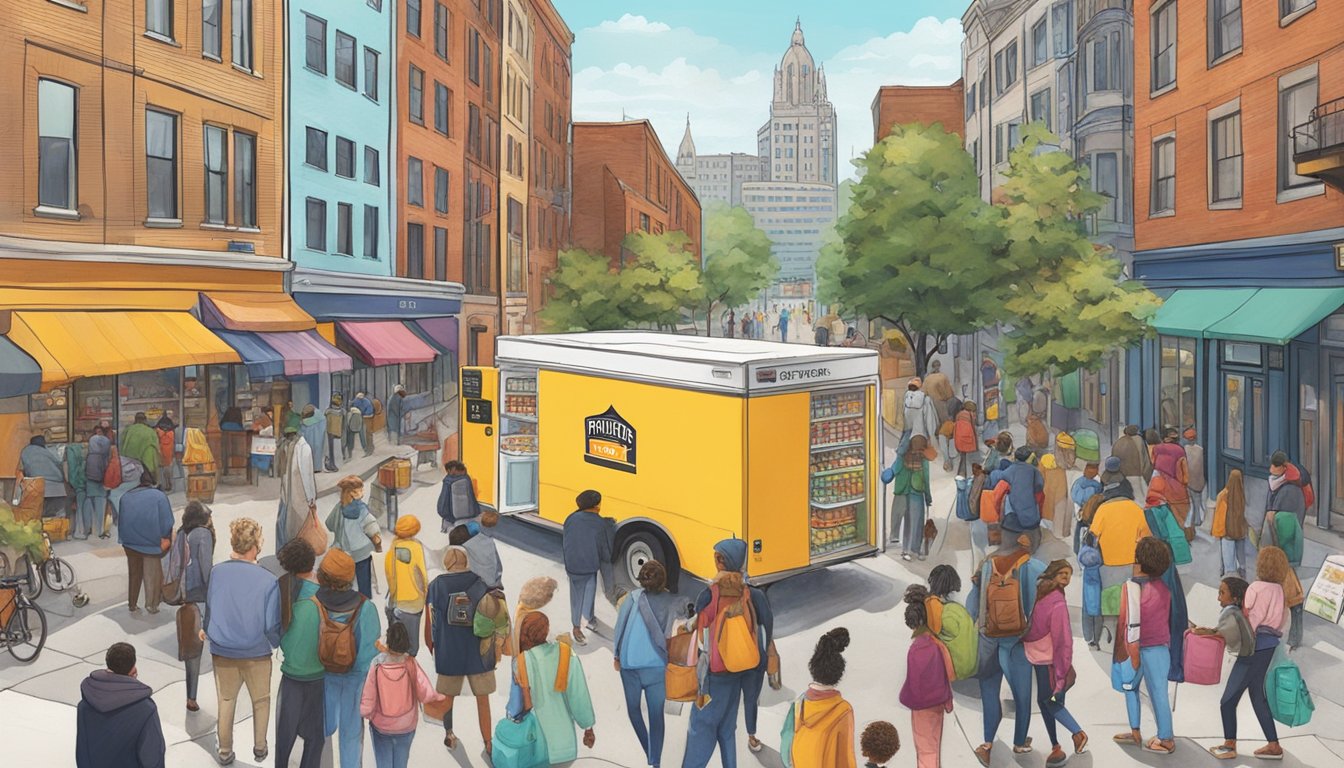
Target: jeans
1196,507
301,713
348,444
715,724
1092,629
412,623
1295,629
1005,657
913,541
342,696
979,539
1234,556
147,570
391,750
753,681
331,452
1052,711
193,667
652,684
1154,665
582,596
92,507
230,677
1248,674
280,513
364,577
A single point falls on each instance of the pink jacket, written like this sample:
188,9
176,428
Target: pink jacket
1264,605
1051,617
393,669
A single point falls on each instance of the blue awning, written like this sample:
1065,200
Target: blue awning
261,360
19,373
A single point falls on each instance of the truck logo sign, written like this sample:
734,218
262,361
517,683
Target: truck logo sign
609,441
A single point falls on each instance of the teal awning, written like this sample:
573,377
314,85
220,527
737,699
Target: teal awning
1277,315
1190,311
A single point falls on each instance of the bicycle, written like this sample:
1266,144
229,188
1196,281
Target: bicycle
51,572
25,632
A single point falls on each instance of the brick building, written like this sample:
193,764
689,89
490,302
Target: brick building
928,104
550,197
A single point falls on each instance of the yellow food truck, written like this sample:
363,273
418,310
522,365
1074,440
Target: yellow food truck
689,440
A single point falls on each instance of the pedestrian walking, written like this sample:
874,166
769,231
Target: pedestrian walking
356,531
36,460
1135,463
140,442
396,413
407,580
1084,489
1007,579
1142,655
393,689
457,496
1089,559
927,690
145,530
338,608
301,703
1239,640
191,561
1196,480
1170,468
298,487
949,620
242,623
335,418
964,440
548,679
453,601
979,527
93,511
784,325
481,550
537,593
920,416
587,544
998,449
908,476
819,728
364,405
990,379
76,482
1026,489
116,721
1285,507
1229,524
313,429
1049,647
727,600
939,389
643,624
879,744
1056,509
1023,389
1266,614
166,432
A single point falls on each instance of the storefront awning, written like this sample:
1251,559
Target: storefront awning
1190,311
72,345
256,312
305,353
261,360
438,332
1277,315
19,373
385,342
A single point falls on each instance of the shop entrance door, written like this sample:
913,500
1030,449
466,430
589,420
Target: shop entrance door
1336,450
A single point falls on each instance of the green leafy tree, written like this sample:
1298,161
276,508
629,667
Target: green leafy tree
738,264
586,295
659,278
920,246
1066,297
830,261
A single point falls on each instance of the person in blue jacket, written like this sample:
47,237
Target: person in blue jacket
1084,488
643,624
1021,509
1089,557
146,520
117,722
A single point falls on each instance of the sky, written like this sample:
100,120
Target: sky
715,59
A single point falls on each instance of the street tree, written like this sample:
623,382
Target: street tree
586,295
919,243
830,261
659,278
1067,299
738,264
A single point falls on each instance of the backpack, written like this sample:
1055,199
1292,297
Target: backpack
961,639
963,502
337,645
179,557
1004,614
1164,525
1287,535
1289,699
1110,600
460,611
492,630
926,684
803,745
1089,509
112,476
1204,658
1304,482
394,695
732,639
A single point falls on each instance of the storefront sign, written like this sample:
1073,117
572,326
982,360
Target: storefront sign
806,375
480,411
609,441
1326,598
471,383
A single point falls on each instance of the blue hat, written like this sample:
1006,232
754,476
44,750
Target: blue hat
1112,463
734,552
473,527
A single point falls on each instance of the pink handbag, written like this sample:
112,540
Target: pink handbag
1040,652
1204,658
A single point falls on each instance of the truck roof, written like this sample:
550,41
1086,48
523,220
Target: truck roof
729,365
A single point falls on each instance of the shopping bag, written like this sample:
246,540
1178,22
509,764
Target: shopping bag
313,533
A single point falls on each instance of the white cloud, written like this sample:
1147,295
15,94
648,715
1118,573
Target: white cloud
629,24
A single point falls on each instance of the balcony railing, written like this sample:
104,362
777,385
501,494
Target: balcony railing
1322,133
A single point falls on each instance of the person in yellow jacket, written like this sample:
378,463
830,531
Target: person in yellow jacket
407,579
819,729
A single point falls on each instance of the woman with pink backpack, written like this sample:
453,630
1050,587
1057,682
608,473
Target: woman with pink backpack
393,692
927,691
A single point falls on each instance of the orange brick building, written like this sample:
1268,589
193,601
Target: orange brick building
1235,228
901,104
624,182
549,181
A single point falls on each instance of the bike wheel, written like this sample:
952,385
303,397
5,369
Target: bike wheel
27,632
58,574
25,565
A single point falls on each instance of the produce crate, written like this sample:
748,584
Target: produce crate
395,473
201,487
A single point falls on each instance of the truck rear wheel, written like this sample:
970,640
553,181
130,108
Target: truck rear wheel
638,548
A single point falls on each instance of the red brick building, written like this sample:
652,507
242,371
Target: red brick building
901,104
549,181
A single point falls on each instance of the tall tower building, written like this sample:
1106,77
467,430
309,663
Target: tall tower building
797,143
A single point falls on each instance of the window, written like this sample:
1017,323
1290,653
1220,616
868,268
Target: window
1295,105
371,73
415,250
644,221
370,231
1107,63
1224,28
345,60
413,18
488,72
1040,108
474,131
316,238
441,110
1289,7
315,44
161,163
210,36
515,229
417,105
244,179
969,108
1164,46
242,33
315,150
345,214
441,30
1040,43
1234,393
1005,68
415,182
1177,382
440,253
1106,182
1226,145
57,164
1164,175
216,174
1061,20
441,179
345,158
371,167
159,18
473,55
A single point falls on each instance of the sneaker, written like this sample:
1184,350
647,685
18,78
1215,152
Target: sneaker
579,638
1056,758
982,754
225,758
1269,752
260,754
1080,742
906,556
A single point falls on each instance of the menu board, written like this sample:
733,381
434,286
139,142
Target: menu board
1326,598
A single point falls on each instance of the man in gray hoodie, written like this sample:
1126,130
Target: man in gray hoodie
116,722
587,545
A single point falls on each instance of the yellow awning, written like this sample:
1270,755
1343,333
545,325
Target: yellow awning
255,312
75,300
72,345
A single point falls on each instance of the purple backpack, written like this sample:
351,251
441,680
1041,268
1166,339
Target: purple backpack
926,685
